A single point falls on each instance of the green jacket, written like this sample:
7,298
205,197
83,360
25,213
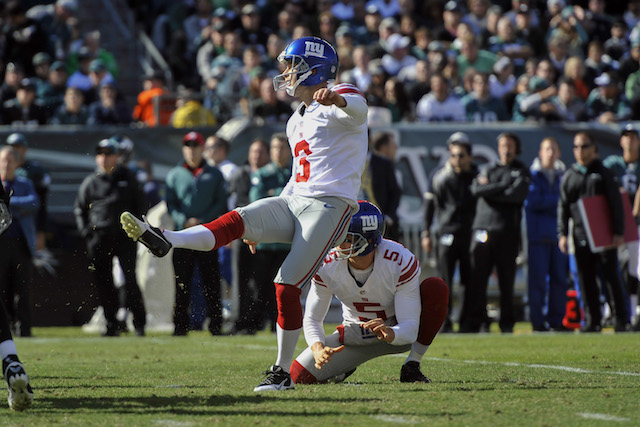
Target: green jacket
188,196
269,181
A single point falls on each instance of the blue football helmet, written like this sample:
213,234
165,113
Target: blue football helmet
365,231
302,56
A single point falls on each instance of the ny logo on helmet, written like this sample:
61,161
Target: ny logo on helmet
369,222
314,49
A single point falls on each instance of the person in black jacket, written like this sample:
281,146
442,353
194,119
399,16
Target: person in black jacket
382,174
102,197
501,190
589,177
449,200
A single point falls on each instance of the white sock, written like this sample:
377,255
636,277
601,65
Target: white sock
6,348
287,340
417,351
197,238
633,299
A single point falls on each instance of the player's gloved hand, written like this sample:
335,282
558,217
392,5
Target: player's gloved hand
323,354
382,331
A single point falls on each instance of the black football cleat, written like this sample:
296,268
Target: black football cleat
145,233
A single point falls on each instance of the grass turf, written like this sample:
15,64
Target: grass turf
488,379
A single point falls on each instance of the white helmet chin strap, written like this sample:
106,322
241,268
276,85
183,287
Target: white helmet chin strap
291,89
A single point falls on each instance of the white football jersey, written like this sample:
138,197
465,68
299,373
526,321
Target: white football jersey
329,147
392,289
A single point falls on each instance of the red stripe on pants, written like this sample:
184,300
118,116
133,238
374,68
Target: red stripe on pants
434,294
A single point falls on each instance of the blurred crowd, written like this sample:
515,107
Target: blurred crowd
474,60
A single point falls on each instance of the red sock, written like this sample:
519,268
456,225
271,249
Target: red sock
300,375
434,294
227,228
289,306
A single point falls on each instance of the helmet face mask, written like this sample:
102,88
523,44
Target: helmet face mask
310,61
365,232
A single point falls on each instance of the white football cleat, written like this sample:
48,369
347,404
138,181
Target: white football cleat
20,393
145,233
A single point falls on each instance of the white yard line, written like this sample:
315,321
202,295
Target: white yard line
602,417
530,365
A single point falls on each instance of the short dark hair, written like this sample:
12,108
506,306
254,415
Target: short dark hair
381,139
221,142
515,138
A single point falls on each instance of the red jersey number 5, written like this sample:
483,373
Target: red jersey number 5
370,308
303,146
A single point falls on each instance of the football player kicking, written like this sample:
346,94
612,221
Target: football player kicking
20,393
385,308
328,139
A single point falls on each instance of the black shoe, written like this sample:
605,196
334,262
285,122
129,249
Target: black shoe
540,329
410,373
146,234
622,327
140,332
112,331
276,379
591,328
561,328
636,327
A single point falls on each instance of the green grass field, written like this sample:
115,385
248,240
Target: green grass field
489,379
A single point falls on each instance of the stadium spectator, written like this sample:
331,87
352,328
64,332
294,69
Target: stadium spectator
574,72
408,316
547,266
270,109
397,101
252,32
494,13
451,17
18,244
286,22
440,105
502,81
239,188
626,169
269,181
596,63
102,196
536,103
617,46
508,43
23,37
471,56
24,109
189,111
379,183
589,177
477,15
534,36
629,64
480,106
566,106
41,63
449,201
108,109
92,43
501,190
192,177
54,20
80,76
632,86
51,92
597,23
40,179
195,24
515,9
559,52
607,103
421,84
397,56
208,50
20,393
144,112
13,75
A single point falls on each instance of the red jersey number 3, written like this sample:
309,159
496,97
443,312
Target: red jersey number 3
303,147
